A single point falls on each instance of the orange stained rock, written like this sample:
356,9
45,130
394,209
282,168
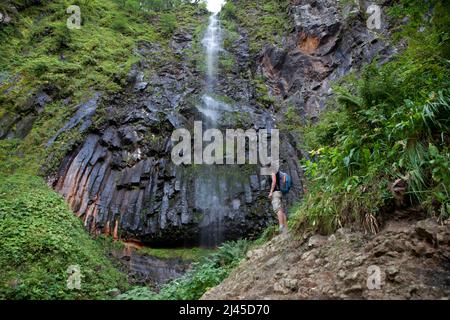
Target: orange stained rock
308,44
116,230
131,245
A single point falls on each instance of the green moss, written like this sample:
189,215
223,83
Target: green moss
222,98
227,62
265,21
237,119
263,96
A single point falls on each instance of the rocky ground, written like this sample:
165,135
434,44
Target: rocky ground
413,258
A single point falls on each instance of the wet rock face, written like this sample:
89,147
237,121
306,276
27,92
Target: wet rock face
121,180
83,117
149,270
326,44
145,269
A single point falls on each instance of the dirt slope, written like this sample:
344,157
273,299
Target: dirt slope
413,259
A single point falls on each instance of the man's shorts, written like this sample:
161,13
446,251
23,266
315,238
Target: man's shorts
277,201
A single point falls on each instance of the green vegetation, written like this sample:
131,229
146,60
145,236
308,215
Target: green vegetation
390,123
205,274
168,23
74,61
189,254
266,21
40,239
262,93
227,62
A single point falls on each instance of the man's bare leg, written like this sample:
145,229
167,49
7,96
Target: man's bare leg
282,219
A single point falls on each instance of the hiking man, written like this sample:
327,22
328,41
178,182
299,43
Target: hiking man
277,197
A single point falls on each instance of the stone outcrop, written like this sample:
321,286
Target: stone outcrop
152,271
18,125
327,43
82,118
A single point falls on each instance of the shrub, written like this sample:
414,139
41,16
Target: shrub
168,23
228,11
40,239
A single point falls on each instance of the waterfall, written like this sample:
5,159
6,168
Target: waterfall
212,187
212,43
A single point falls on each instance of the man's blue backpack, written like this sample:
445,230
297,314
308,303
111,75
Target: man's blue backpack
285,182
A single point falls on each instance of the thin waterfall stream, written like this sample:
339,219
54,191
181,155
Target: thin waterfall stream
211,187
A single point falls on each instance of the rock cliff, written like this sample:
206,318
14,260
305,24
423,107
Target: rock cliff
121,180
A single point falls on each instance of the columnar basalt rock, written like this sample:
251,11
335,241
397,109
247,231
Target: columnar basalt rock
121,180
